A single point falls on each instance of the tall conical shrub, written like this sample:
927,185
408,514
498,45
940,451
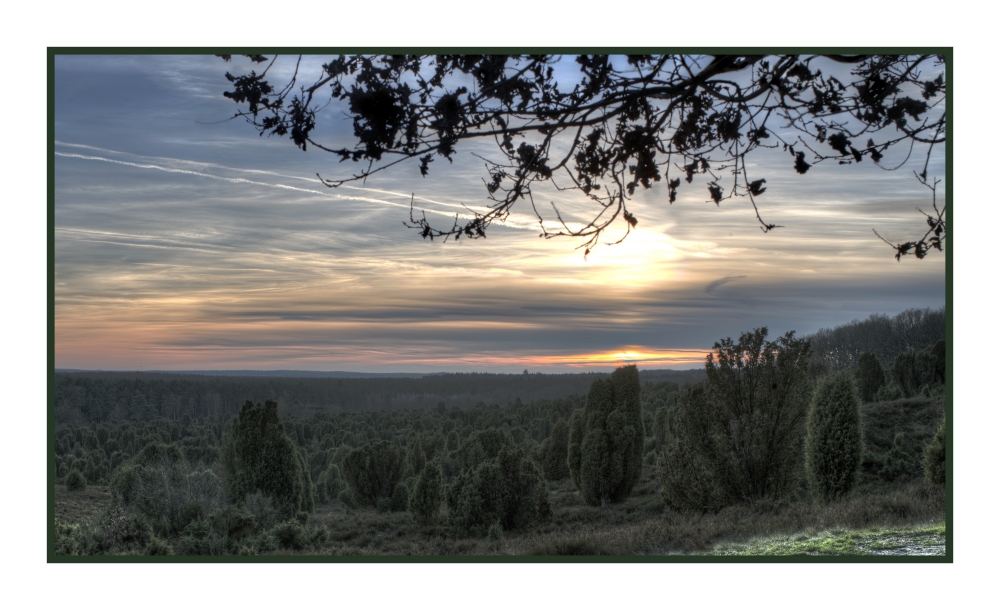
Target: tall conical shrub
608,443
373,471
554,454
257,455
905,373
425,501
934,457
869,376
508,489
834,443
573,453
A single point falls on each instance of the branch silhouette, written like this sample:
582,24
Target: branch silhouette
627,122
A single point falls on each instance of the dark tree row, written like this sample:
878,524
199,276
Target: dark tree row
880,335
114,397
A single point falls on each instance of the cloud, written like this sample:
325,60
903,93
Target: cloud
207,246
726,280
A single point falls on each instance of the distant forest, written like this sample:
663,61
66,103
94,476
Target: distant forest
95,397
116,396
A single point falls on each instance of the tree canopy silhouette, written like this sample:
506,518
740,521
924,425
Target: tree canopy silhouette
623,123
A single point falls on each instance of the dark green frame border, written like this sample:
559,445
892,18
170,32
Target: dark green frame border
948,52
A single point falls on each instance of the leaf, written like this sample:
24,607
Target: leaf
690,170
800,163
875,154
755,187
716,192
630,218
424,162
839,142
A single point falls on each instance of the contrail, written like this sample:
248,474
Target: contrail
245,181
254,171
516,221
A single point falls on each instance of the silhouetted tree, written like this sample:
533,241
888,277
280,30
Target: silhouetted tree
625,122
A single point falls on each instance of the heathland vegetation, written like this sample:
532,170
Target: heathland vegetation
774,436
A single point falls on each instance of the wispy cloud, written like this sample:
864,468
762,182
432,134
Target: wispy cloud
722,282
184,245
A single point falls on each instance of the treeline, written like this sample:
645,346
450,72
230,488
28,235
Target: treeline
883,336
96,450
218,485
112,397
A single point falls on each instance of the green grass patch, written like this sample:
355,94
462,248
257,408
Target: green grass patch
922,540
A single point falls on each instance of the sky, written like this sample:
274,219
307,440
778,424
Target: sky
183,240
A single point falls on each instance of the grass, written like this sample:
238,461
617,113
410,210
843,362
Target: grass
925,540
877,518
883,518
81,506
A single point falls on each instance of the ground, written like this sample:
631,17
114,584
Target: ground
897,519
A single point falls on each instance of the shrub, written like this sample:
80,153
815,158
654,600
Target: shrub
896,462
661,427
74,539
508,489
554,453
291,535
425,501
938,362
308,489
738,435
573,453
611,447
261,510
257,455
481,445
158,547
834,441
155,485
373,471
347,499
400,498
451,444
495,533
330,483
869,376
934,457
416,458
120,530
206,489
888,392
905,373
75,481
